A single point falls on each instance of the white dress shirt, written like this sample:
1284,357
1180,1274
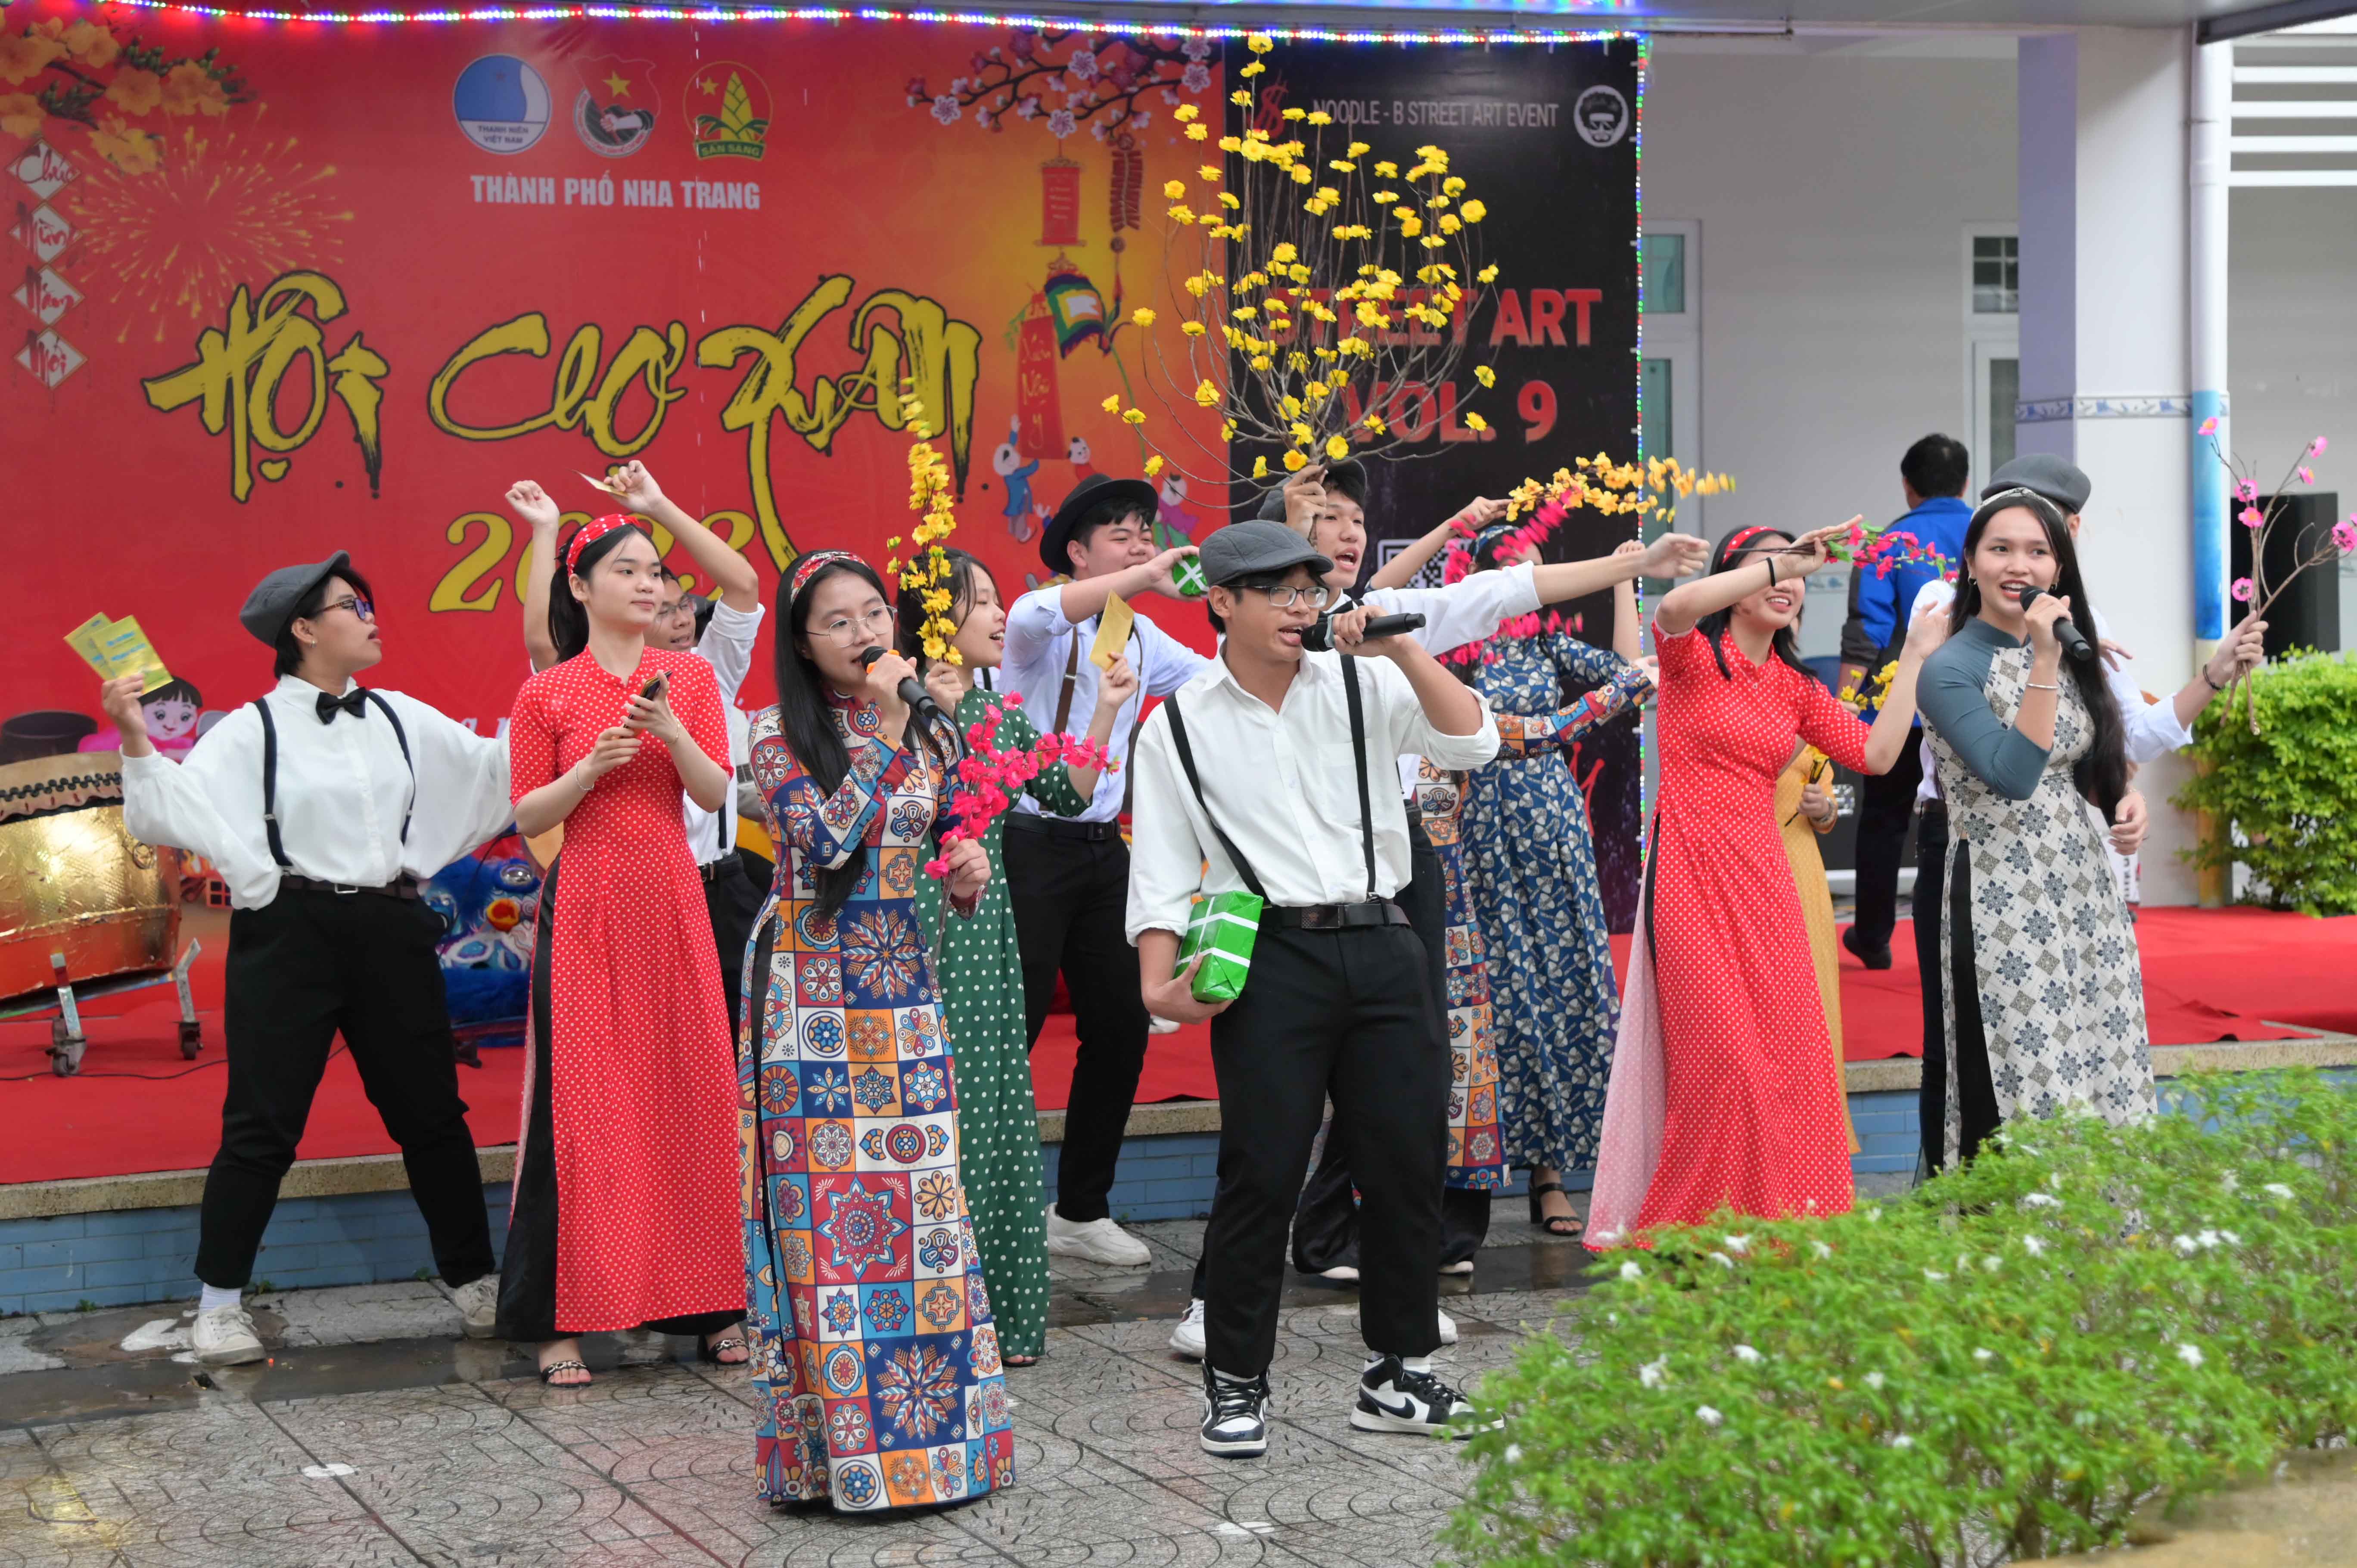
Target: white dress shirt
728,645
342,790
1039,643
1465,611
1284,786
2152,729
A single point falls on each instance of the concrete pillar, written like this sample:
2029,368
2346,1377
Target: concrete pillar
2105,378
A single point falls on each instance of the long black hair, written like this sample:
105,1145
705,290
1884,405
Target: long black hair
568,617
1784,645
804,717
909,610
2102,774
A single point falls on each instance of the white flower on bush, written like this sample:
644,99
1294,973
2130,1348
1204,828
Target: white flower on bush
1991,1262
2230,1238
1903,1441
2277,1190
2231,1180
1748,1356
1935,1276
1739,1244
1984,1357
1514,1453
1708,1416
1821,1249
2033,1246
2190,1354
1653,1374
2041,1200
1874,1381
1630,1272
1722,1260
2186,1246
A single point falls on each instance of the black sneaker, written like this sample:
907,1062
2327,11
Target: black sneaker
1235,1415
1392,1399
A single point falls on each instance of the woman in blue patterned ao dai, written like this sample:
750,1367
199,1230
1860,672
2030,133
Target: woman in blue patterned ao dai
875,1364
1531,865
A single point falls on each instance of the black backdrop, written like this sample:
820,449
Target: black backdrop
1546,138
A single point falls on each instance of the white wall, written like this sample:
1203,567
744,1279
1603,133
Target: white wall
1832,190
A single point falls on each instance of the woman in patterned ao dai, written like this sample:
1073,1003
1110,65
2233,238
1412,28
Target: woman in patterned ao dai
875,1361
2045,1004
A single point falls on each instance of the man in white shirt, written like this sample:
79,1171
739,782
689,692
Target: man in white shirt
2152,729
721,629
1267,771
1067,878
324,805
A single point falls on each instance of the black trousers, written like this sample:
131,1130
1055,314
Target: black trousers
528,1273
732,902
1885,810
1326,1223
1968,1074
1071,904
301,970
1346,1014
1931,882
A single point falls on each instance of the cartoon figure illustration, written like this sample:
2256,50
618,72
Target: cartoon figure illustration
1177,523
1019,482
487,901
1078,455
172,711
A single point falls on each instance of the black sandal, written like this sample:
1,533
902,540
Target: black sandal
1553,1224
548,1373
709,1354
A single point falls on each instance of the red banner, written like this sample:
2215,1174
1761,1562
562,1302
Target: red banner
280,288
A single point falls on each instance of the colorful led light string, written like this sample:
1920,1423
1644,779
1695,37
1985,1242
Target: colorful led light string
1457,36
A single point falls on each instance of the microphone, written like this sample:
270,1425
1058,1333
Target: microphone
2074,644
912,690
1318,636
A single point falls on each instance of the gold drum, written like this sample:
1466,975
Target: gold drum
74,881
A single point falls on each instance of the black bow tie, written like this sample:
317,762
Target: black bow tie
354,701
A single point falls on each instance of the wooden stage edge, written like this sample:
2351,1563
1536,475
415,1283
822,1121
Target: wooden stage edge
383,1173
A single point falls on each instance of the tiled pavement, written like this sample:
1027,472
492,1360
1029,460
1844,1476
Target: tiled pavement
377,1437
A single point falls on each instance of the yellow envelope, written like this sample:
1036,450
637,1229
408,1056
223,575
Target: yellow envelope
1112,631
128,653
85,640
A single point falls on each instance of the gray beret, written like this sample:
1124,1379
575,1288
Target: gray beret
275,598
2058,479
1241,549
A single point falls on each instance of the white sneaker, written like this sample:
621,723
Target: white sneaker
478,1306
1098,1240
1187,1338
1340,1274
1462,1266
1448,1329
225,1338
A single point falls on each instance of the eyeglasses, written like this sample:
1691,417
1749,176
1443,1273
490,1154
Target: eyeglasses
685,606
1284,598
354,602
847,629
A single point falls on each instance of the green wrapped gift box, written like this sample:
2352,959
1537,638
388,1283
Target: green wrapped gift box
1222,928
1188,573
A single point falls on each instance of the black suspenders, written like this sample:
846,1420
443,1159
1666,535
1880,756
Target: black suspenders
270,774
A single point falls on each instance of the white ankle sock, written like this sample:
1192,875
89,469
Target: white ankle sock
1416,1363
213,1296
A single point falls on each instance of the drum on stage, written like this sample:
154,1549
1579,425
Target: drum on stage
73,882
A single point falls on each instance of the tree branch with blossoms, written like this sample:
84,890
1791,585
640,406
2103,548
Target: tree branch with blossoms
1097,84
2256,589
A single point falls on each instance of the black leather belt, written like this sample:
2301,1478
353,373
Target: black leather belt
1063,828
714,870
405,887
1335,916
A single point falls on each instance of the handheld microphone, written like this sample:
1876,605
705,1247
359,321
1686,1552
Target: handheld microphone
2074,644
912,690
1318,636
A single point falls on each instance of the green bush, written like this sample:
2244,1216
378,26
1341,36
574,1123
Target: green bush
2001,1365
2287,794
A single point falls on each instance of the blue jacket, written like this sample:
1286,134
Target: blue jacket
1879,605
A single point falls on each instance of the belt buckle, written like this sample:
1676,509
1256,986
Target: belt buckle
340,890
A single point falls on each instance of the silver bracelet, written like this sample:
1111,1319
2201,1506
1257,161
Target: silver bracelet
2044,686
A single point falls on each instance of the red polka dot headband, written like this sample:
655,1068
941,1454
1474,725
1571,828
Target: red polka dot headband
592,531
1746,534
809,567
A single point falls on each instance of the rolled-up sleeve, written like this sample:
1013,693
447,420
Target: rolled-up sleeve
1165,857
1412,735
1035,620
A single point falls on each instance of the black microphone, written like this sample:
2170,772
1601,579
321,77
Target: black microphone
2064,632
912,690
1318,636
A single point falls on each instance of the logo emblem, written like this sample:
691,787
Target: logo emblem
501,104
615,113
727,112
1601,116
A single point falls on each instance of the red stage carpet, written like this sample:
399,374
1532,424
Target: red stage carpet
2210,975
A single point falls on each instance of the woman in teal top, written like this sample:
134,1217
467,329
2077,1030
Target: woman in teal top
981,970
2045,1004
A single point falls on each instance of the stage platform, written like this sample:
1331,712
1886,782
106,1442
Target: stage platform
101,1174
